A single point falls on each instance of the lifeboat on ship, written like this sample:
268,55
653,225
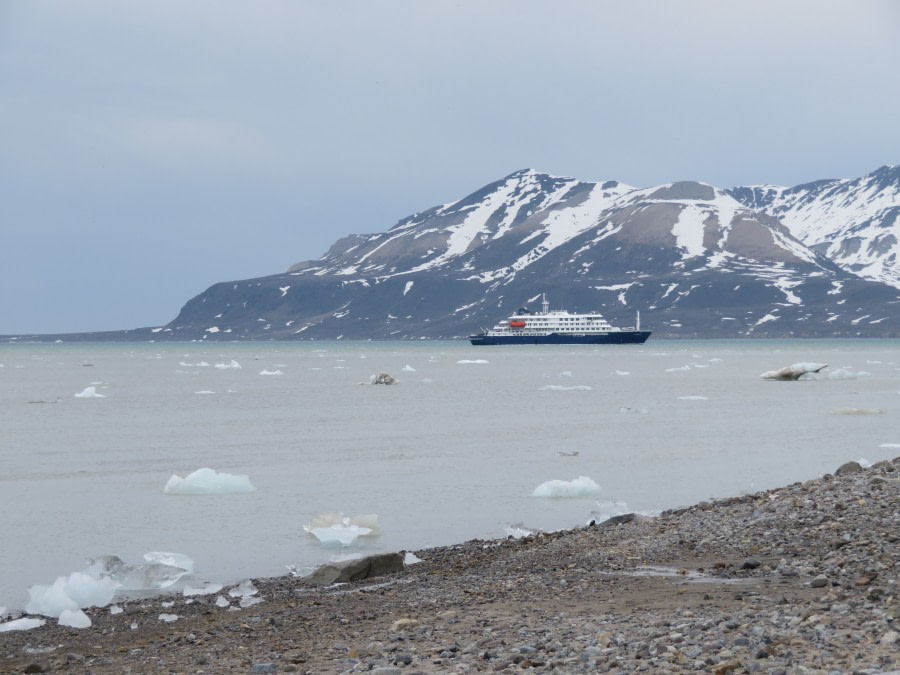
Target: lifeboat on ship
516,324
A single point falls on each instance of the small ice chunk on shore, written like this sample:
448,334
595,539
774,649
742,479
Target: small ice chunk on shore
74,618
518,531
578,487
411,558
208,589
168,618
26,623
206,481
243,589
89,392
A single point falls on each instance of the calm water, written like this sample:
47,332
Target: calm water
449,453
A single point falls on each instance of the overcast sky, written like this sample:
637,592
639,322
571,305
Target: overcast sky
152,148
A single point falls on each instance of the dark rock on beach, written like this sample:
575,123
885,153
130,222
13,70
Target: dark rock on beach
800,579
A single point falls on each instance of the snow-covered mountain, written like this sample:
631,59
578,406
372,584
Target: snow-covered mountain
855,222
694,259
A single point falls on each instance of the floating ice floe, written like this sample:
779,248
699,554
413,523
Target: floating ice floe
271,372
692,398
846,374
171,559
333,529
796,371
465,361
207,482
567,453
889,445
408,369
224,366
89,392
621,372
633,411
558,387
578,487
154,575
204,392
678,369
21,624
858,411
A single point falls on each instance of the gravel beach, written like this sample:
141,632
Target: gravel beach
800,579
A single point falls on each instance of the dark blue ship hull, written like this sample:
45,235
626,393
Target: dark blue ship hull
630,337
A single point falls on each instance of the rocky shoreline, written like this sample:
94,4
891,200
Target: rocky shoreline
800,579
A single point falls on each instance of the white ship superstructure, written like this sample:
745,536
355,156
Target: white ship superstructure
558,327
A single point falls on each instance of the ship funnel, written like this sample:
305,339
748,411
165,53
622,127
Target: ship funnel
544,304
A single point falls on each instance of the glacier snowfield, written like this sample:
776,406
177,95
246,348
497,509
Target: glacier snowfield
468,442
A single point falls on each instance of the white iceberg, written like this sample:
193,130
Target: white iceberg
70,593
796,371
21,624
207,482
169,558
149,577
408,369
578,487
333,529
224,366
692,398
270,372
557,387
89,392
340,535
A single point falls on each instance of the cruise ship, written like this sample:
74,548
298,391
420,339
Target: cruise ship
559,327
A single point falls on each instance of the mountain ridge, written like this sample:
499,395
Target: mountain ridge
696,260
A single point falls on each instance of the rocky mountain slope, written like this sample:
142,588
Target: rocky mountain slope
695,260
817,260
854,222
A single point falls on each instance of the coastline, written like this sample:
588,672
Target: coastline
802,578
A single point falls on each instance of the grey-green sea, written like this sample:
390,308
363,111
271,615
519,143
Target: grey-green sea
452,450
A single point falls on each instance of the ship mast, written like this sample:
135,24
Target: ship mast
638,321
544,303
